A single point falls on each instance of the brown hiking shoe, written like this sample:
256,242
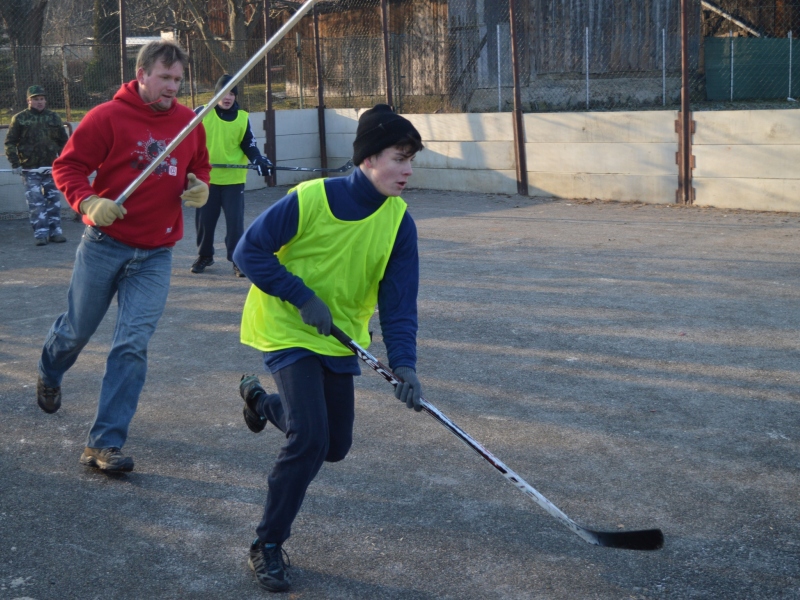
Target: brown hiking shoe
110,460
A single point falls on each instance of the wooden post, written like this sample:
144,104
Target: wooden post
386,56
684,126
123,43
519,129
323,142
270,147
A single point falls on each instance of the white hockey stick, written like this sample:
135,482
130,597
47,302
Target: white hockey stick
293,20
646,539
345,167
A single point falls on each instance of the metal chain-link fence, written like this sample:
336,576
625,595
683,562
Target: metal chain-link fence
419,55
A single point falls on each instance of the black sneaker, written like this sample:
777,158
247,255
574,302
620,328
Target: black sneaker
271,571
107,459
48,398
57,238
250,389
237,272
199,265
40,241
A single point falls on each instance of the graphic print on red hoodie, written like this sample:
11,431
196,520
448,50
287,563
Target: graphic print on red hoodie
118,140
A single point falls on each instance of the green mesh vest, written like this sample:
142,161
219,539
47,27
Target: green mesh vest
343,262
223,139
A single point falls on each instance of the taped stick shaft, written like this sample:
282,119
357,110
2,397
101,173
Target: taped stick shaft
293,20
342,169
37,170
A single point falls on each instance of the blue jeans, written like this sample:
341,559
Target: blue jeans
316,411
140,279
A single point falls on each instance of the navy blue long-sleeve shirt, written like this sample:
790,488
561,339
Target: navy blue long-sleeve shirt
350,198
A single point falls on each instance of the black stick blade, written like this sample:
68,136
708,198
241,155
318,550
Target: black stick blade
646,539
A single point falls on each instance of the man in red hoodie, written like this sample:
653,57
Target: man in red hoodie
125,250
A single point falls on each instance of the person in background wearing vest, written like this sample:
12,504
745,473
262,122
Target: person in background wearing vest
328,252
231,142
36,136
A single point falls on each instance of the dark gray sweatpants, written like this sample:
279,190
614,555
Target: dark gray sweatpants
230,200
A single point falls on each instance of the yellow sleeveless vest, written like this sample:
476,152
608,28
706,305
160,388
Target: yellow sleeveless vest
343,262
223,139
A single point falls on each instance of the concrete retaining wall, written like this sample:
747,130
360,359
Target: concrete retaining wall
744,159
748,159
606,155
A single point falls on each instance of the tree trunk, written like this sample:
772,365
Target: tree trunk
24,21
105,68
237,26
230,54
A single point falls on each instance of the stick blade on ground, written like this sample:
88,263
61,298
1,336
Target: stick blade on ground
644,539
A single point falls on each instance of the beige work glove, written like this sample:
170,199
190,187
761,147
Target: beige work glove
102,211
196,194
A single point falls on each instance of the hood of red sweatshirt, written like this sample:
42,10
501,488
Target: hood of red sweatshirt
129,93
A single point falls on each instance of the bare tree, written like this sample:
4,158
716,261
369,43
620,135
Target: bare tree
104,68
24,22
67,22
225,36
229,49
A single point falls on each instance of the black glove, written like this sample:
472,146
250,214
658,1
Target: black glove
317,314
263,166
410,391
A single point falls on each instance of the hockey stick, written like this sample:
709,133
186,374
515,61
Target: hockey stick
646,539
345,167
271,43
41,170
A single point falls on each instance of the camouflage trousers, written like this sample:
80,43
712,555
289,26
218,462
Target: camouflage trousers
44,204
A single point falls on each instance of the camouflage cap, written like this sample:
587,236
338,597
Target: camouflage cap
35,90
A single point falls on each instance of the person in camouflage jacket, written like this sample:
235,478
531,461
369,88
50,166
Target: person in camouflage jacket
35,138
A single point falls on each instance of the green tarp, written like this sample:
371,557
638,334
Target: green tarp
760,68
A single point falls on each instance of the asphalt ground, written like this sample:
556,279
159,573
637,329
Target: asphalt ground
636,364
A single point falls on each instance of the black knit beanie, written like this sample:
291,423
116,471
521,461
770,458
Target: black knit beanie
222,82
379,128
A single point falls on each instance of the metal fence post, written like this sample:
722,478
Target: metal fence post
663,67
586,64
65,75
192,70
789,98
499,81
730,36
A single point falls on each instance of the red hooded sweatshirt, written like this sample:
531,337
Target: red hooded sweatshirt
119,139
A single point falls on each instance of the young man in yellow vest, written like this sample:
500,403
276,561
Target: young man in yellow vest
328,252
230,142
